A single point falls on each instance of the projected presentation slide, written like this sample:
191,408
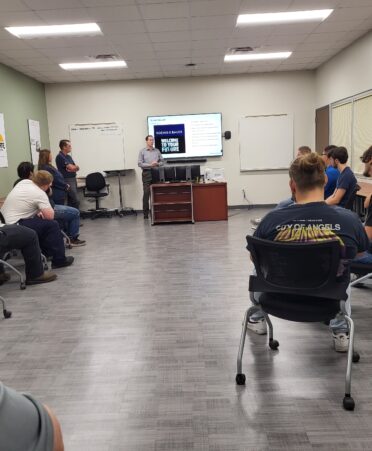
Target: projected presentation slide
187,136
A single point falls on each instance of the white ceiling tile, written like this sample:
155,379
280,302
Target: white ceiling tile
123,27
49,43
301,5
213,22
8,44
295,28
171,36
12,5
149,74
214,7
354,3
210,44
107,3
165,11
138,49
143,65
52,4
209,60
126,40
286,39
203,72
199,35
163,25
263,6
332,27
20,53
346,14
35,62
176,46
63,16
169,58
20,18
209,53
114,13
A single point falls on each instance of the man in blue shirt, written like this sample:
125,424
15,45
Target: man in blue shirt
331,172
346,183
68,169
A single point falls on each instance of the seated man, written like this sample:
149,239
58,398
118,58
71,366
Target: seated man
311,219
346,182
367,160
24,239
331,172
27,204
302,151
67,217
26,424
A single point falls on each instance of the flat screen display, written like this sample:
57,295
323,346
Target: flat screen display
187,135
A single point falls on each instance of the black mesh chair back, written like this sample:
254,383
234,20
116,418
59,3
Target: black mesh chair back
305,269
95,182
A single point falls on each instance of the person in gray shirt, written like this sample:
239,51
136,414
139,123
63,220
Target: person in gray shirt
27,425
148,157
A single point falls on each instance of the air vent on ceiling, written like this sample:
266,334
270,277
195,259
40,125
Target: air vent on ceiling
190,65
240,50
104,57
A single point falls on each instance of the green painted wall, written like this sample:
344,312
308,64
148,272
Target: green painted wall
21,98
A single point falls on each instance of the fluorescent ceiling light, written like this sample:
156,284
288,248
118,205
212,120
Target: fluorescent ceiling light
257,56
95,65
284,17
54,30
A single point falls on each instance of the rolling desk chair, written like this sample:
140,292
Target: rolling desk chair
309,292
94,184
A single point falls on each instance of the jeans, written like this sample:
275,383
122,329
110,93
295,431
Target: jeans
19,237
337,324
69,218
50,237
365,258
72,199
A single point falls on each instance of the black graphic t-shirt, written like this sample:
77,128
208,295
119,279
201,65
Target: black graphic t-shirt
314,222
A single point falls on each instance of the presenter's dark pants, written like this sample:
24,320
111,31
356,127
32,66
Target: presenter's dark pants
72,194
50,237
146,181
26,240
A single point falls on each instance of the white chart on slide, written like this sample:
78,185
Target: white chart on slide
97,147
35,140
266,142
3,151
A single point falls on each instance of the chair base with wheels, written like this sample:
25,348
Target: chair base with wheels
22,282
6,313
363,271
311,293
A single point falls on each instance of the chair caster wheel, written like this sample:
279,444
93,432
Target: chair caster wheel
240,379
23,286
7,313
348,403
356,357
274,344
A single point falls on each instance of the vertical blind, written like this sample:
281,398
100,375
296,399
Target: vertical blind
351,127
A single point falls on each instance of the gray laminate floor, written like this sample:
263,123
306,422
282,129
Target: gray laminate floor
135,345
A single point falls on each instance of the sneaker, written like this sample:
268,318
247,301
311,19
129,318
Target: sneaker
46,277
259,327
67,262
4,277
77,243
341,341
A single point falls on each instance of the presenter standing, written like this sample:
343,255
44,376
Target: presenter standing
148,157
68,169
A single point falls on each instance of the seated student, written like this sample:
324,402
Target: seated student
309,215
27,204
367,160
302,151
24,239
69,216
25,171
331,172
26,424
346,182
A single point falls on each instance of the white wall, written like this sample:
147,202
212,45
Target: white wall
347,74
130,102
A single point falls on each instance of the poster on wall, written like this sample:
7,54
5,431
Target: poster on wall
35,141
3,153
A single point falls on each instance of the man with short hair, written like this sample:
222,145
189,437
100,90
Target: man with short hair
367,160
148,157
331,172
302,151
27,204
68,168
311,219
346,182
25,171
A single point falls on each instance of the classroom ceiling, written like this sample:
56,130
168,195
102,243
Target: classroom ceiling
157,38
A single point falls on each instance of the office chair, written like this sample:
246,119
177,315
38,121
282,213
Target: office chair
350,203
306,292
94,184
6,313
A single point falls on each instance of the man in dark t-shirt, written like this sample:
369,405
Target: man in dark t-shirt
312,220
367,160
346,182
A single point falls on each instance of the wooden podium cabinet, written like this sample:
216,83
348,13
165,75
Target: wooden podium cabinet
171,202
210,201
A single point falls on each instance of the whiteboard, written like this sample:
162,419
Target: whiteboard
97,147
266,142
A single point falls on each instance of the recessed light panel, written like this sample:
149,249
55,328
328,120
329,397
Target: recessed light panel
95,65
257,56
54,30
283,17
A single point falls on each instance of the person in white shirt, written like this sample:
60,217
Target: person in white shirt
28,205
